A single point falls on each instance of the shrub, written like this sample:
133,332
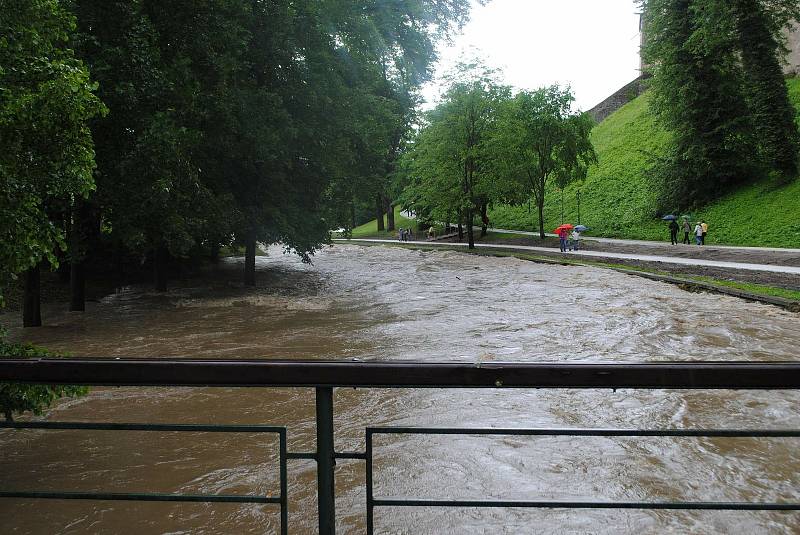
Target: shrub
19,397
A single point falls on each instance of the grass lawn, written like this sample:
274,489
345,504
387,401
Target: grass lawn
616,200
370,230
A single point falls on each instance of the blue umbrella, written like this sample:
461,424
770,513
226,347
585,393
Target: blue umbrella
670,217
581,228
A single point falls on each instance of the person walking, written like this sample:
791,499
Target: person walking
673,232
687,228
705,230
575,240
698,234
563,233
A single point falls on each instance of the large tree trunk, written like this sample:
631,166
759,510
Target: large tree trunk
77,285
119,266
352,214
250,261
160,268
389,216
32,308
77,274
379,212
540,206
470,229
484,219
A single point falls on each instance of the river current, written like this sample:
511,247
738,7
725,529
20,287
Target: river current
371,303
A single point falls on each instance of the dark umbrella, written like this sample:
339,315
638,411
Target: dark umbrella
670,217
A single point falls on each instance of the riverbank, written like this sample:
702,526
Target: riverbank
779,289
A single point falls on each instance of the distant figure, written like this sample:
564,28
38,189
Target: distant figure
431,233
400,234
575,242
673,232
562,238
698,234
687,228
409,234
705,230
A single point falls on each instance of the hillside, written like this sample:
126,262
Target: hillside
616,201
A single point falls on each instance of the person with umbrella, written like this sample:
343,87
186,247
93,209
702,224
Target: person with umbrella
575,238
563,234
687,229
698,233
673,228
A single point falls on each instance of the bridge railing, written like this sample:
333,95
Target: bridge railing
324,376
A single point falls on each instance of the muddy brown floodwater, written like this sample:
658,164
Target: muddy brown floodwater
388,303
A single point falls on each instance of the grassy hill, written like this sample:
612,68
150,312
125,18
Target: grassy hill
371,228
616,200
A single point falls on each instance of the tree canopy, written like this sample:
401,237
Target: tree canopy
718,88
483,145
229,121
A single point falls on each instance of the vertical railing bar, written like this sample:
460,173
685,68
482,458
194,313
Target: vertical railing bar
284,483
368,482
326,462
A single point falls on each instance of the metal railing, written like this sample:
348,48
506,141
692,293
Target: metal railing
325,376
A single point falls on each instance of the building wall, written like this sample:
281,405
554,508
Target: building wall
636,87
620,97
793,42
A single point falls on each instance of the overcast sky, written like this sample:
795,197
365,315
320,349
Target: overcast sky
592,45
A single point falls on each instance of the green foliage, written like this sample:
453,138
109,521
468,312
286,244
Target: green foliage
617,201
772,113
541,141
370,229
452,160
242,120
46,150
698,97
19,398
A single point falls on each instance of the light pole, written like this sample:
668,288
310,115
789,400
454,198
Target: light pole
578,197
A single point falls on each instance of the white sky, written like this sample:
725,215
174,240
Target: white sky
591,45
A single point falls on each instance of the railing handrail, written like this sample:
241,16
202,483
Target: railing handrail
401,374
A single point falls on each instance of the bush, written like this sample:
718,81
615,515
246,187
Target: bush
18,397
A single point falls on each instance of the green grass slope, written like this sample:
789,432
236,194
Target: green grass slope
617,201
371,229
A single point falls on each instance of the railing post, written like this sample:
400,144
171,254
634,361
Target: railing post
325,462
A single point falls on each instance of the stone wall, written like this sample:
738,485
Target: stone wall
620,97
792,68
636,87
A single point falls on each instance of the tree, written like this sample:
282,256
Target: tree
46,149
697,95
451,157
542,140
758,26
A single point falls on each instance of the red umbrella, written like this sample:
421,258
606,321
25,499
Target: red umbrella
566,226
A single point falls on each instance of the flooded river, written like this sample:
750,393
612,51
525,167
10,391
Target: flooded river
386,303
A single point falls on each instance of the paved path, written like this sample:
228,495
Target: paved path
618,241
600,254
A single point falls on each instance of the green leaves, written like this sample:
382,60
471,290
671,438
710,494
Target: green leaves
46,149
717,87
19,398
